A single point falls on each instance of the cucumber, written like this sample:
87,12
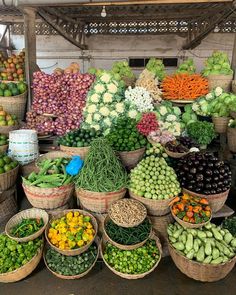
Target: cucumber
208,249
189,243
215,253
190,254
177,233
207,259
200,254
217,260
195,245
217,234
179,246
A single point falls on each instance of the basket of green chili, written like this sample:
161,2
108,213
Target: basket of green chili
127,238
27,225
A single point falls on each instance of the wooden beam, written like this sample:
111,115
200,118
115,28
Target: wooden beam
122,3
30,49
199,37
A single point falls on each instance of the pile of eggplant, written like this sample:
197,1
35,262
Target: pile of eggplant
203,173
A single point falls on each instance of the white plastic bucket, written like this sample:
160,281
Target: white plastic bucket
23,145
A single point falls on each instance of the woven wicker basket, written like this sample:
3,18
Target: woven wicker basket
98,202
129,81
52,155
8,179
29,213
80,250
24,271
75,151
233,114
132,158
175,155
120,246
48,198
129,276
52,212
221,124
6,129
200,271
160,224
15,105
126,204
223,81
231,138
3,148
154,207
8,204
216,201
188,224
97,241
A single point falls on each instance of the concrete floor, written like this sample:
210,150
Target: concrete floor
165,280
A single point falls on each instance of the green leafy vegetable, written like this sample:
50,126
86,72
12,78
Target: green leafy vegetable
202,132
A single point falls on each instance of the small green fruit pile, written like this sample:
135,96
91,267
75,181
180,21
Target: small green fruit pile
12,89
6,163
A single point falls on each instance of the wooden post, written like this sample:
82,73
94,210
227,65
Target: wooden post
233,62
30,49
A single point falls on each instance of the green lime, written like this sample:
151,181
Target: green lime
2,142
7,93
7,168
1,92
7,160
3,137
14,164
2,170
22,87
3,86
15,91
2,163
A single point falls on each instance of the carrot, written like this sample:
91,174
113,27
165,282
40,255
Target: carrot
181,206
175,200
184,87
204,201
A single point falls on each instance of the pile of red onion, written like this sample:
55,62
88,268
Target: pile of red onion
147,124
63,96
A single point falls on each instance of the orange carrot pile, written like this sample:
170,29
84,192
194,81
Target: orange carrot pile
184,87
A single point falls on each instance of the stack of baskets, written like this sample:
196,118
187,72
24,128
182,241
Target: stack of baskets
25,270
74,251
51,199
159,213
8,194
128,213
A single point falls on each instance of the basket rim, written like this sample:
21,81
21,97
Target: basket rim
131,152
128,200
121,246
200,263
12,170
188,224
81,189
203,195
71,252
43,214
78,276
133,276
74,147
171,154
47,188
15,96
38,253
152,200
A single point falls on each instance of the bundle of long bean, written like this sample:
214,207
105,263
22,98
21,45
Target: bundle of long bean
102,171
128,235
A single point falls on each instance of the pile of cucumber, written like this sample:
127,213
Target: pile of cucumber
210,244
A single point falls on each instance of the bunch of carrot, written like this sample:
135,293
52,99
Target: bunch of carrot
191,209
184,87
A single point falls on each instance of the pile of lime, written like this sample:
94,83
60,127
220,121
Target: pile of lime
7,163
12,89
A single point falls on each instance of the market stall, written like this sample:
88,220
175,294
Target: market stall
143,156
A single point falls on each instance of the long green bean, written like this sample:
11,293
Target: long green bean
102,170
